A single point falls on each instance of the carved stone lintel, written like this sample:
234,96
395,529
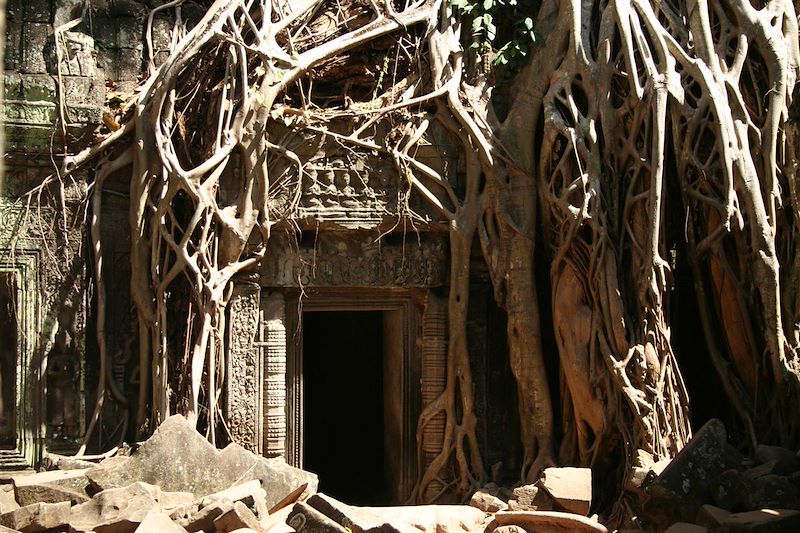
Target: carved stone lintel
273,346
244,393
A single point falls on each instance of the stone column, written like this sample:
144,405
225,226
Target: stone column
244,368
273,342
433,381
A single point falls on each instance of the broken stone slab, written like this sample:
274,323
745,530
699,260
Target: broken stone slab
53,461
487,502
158,522
4,529
276,522
250,493
237,518
356,519
7,500
549,521
203,518
305,519
431,518
37,517
115,510
711,517
51,487
772,492
530,498
177,458
763,521
570,487
690,478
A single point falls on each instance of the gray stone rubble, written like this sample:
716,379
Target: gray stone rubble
177,482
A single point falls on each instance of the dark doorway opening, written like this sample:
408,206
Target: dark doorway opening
8,359
343,404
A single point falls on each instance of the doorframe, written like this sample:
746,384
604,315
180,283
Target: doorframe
406,301
29,390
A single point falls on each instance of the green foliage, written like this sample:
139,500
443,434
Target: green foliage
504,26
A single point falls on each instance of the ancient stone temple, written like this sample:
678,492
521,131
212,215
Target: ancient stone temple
336,340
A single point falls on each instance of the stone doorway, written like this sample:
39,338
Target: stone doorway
343,403
8,359
353,365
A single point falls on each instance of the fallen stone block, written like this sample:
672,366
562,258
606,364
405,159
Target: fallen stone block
37,517
356,519
237,518
178,459
486,502
787,458
7,500
158,522
51,487
549,521
305,519
203,518
249,493
772,492
53,461
429,518
530,498
115,510
276,522
763,521
571,488
688,481
711,517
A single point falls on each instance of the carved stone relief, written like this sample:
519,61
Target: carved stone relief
273,349
355,260
243,398
433,381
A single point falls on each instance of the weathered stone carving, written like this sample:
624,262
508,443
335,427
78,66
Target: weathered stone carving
355,260
273,350
433,381
243,403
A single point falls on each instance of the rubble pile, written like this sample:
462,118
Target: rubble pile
178,482
711,487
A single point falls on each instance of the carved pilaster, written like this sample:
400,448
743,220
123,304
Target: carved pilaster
433,381
273,342
244,367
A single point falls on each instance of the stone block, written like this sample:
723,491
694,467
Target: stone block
772,492
38,88
249,493
162,33
37,517
130,64
13,11
37,11
12,46
7,500
763,521
202,519
51,487
115,510
486,502
129,32
35,47
570,487
711,517
305,519
78,55
530,498
687,482
104,31
549,521
65,11
178,458
158,522
238,517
